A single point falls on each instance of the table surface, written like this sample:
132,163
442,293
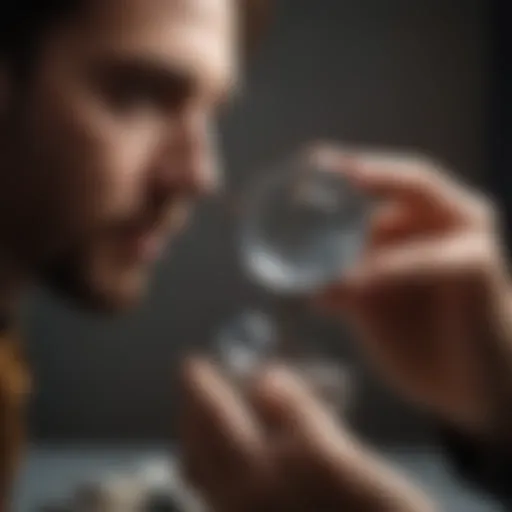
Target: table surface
51,472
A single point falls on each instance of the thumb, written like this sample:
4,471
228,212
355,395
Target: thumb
322,453
286,402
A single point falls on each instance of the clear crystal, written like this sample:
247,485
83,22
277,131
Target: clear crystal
252,338
303,225
245,342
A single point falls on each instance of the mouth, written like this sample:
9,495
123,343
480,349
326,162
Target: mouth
145,242
146,246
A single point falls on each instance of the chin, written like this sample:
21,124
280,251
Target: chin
124,298
111,292
111,301
116,295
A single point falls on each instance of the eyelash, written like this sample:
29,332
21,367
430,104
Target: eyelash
132,95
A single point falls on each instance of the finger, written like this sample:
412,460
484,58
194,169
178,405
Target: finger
463,257
343,296
450,257
304,434
400,176
425,185
392,223
394,252
387,173
220,435
288,406
407,178
323,455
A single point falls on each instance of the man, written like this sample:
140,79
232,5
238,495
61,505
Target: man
107,112
107,109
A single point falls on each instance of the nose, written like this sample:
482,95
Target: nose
191,161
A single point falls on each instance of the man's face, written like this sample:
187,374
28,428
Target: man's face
113,140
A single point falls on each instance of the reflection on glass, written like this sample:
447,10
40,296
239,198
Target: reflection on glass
245,342
252,339
303,224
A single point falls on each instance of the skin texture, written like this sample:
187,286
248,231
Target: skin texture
112,141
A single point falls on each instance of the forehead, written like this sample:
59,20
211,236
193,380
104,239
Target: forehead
198,35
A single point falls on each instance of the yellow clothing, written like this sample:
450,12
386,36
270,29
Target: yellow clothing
14,391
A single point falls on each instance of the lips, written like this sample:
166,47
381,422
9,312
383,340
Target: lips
146,241
143,244
149,247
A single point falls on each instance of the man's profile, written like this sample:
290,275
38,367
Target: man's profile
107,110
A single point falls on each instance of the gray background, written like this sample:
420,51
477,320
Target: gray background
395,72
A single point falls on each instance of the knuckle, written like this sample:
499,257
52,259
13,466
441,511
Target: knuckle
484,255
483,211
432,173
424,163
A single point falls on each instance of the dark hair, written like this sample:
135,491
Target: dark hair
23,25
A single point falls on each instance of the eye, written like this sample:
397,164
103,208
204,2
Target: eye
130,95
142,86
133,91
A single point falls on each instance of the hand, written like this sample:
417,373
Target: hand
431,298
277,449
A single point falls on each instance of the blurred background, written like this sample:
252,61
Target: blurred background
418,75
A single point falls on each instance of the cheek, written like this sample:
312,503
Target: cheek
100,165
122,157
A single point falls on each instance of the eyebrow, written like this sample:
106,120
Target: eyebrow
166,76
